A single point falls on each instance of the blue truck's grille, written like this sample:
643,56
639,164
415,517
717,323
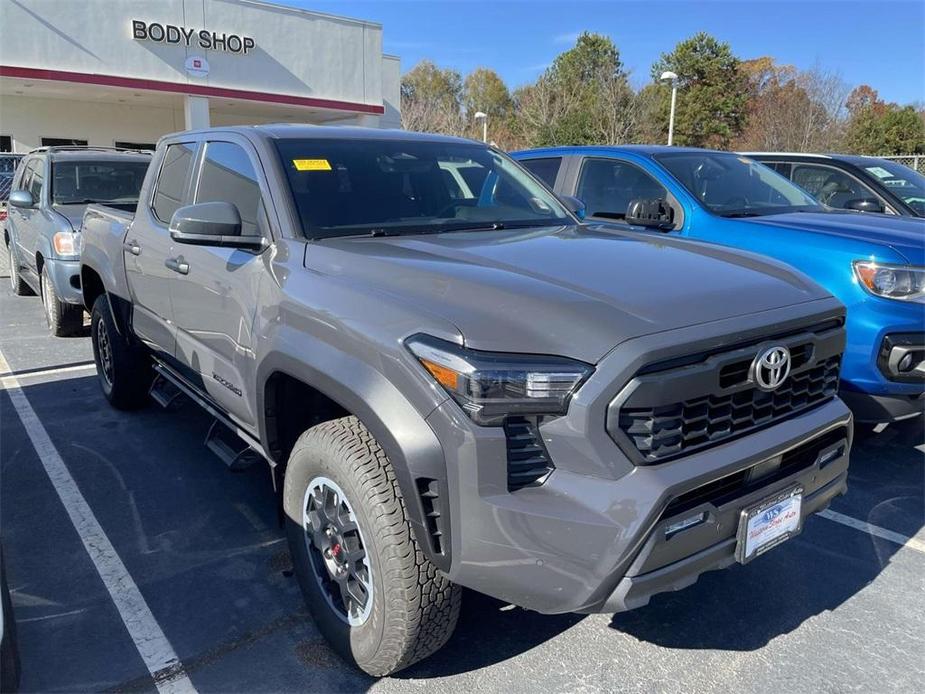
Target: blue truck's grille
665,431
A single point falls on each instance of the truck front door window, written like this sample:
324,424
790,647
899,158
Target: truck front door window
228,176
829,185
606,186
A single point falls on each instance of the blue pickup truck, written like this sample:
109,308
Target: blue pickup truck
874,264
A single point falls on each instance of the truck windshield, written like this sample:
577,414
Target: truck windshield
80,182
906,183
344,187
731,185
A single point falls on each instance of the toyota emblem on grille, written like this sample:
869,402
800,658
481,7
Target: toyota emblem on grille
771,367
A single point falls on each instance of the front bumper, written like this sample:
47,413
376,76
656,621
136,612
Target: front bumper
65,277
877,331
586,544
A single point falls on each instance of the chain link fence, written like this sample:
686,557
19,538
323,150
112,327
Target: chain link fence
913,161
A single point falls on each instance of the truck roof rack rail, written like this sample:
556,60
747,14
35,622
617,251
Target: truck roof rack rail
84,148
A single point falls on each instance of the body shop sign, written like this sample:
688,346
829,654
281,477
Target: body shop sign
182,36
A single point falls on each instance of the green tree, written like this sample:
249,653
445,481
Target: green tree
584,97
712,92
431,99
483,90
876,127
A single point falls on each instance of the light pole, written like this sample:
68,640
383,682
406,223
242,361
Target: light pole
673,78
484,118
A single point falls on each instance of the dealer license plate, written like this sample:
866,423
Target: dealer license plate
768,524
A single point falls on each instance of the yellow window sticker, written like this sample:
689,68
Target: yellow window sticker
311,164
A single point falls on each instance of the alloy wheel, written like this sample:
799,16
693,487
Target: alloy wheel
104,351
337,552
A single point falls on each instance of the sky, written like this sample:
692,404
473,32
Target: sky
880,43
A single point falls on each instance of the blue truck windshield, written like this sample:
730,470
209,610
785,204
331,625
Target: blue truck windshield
343,187
731,185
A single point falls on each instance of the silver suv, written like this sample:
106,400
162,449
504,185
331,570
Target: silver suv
50,191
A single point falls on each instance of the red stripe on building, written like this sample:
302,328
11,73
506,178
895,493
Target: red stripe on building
190,89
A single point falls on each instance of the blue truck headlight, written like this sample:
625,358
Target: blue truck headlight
492,385
902,282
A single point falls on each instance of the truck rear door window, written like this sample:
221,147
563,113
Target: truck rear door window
545,169
172,180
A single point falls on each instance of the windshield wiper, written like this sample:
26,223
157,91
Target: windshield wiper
742,213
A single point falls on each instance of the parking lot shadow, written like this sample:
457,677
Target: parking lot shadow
489,632
744,607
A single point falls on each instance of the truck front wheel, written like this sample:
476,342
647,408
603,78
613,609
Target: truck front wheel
379,602
124,369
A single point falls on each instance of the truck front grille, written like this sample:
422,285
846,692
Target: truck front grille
669,413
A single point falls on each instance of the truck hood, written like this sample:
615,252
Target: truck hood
571,291
905,235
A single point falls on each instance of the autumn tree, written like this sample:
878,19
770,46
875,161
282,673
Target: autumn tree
791,110
431,100
712,92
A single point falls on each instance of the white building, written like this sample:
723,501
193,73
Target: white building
125,72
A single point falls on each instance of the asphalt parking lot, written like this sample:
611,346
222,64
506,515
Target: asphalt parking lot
838,608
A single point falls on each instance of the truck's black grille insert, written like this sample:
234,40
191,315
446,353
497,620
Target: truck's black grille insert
432,504
662,432
528,463
730,487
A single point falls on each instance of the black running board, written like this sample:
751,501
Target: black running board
236,457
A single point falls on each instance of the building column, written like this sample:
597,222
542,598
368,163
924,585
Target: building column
196,110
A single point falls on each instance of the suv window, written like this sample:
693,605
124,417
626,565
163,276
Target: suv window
228,175
109,182
545,169
172,180
36,179
829,185
606,186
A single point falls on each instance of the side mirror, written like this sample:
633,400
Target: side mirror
211,224
21,198
575,206
864,205
652,213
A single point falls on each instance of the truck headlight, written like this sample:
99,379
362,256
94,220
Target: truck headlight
491,385
67,243
902,282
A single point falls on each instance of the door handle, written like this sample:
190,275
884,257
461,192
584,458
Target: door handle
177,265
132,247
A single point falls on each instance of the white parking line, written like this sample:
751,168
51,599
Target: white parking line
153,647
45,373
875,530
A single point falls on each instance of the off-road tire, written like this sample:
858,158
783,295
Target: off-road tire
126,387
63,319
415,608
17,283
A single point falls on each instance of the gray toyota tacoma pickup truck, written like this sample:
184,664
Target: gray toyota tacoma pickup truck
455,383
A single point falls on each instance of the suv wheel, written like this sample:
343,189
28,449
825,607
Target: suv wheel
379,602
17,284
63,319
124,369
